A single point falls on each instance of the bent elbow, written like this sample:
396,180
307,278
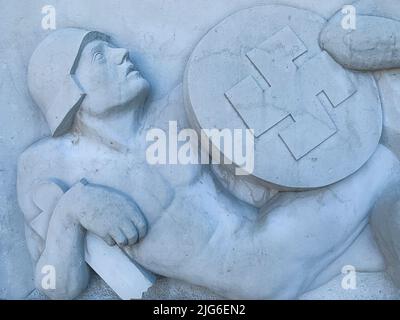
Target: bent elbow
62,288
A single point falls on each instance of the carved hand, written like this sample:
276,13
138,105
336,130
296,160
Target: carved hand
105,212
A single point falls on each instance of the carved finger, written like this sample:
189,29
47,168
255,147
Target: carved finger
140,223
119,237
109,240
130,232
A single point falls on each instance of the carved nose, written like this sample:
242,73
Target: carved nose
120,55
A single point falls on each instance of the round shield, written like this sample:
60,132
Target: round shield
313,122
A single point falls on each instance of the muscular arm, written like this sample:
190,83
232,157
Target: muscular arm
64,253
57,247
373,44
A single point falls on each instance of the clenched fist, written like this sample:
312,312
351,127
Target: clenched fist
104,212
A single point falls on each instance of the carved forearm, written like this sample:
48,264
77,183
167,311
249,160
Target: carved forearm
63,254
372,45
99,210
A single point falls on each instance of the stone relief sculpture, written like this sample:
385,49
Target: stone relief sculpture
320,170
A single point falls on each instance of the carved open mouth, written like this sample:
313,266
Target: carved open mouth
130,69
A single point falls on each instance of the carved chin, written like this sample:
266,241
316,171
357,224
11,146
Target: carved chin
139,91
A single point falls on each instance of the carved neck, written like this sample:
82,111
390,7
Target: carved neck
115,130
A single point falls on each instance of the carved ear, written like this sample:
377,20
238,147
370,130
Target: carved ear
45,197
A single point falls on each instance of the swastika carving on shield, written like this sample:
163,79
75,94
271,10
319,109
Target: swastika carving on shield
323,82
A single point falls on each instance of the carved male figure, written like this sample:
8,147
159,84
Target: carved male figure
176,221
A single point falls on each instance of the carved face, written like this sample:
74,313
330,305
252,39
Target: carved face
109,78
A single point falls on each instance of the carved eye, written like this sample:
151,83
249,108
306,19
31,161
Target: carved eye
98,57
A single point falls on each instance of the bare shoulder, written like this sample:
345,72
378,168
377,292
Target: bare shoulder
43,158
46,149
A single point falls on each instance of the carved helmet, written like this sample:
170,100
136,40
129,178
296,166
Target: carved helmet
51,76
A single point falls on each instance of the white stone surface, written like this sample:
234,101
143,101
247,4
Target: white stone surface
160,37
129,281
389,84
377,28
255,68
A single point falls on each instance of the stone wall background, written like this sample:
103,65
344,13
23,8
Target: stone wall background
160,35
